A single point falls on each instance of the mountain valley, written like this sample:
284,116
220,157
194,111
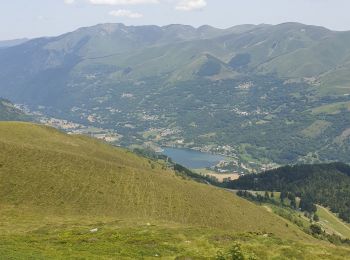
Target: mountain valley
222,91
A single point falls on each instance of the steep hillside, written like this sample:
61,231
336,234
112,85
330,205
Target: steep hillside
67,196
62,174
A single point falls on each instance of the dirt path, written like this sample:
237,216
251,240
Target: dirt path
268,208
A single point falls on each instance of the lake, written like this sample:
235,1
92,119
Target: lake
192,159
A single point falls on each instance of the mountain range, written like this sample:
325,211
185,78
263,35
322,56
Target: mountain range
11,43
271,93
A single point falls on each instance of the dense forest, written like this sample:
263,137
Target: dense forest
325,184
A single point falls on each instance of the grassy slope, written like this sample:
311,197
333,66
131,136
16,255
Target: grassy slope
54,188
70,238
77,175
332,223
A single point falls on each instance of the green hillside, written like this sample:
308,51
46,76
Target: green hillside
65,196
54,188
62,174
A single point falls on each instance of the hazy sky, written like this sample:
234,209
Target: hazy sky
34,18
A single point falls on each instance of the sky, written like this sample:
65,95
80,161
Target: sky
37,18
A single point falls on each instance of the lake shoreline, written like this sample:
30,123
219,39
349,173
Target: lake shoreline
196,150
192,158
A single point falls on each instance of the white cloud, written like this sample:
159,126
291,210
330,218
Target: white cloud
190,5
123,2
125,13
69,2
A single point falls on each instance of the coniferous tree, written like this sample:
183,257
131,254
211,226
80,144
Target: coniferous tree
267,196
316,218
307,205
283,196
293,203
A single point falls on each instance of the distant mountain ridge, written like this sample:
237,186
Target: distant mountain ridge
122,47
11,43
290,50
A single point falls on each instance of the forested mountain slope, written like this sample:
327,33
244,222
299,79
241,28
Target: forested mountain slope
203,87
325,184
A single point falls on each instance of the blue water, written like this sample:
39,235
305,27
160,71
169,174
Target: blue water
192,159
